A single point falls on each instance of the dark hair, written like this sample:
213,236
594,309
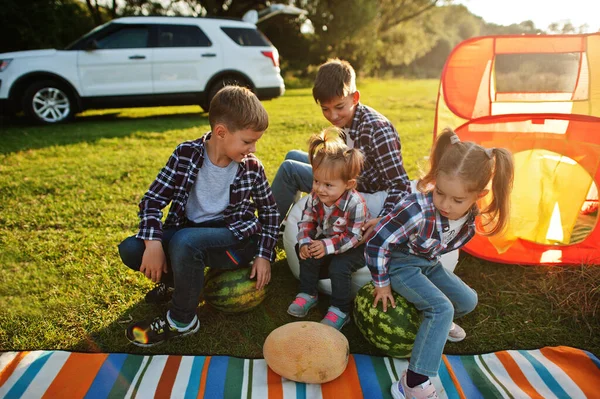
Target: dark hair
327,150
237,108
476,166
335,78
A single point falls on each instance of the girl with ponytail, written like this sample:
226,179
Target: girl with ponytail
330,230
403,255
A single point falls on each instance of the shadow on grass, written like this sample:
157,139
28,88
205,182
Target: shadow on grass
240,335
19,134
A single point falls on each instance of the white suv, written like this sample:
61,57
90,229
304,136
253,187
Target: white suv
140,61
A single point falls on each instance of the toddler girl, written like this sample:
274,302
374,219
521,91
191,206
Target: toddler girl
329,231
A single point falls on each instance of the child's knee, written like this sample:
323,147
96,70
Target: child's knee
131,251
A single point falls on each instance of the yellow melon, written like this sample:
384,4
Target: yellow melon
307,351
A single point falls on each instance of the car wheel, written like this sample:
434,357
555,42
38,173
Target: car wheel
48,102
219,84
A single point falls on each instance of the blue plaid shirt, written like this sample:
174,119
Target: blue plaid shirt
383,169
250,192
414,225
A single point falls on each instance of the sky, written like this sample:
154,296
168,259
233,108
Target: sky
541,12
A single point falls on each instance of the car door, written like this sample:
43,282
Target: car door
184,59
117,61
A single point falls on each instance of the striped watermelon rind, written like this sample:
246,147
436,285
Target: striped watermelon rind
232,291
394,331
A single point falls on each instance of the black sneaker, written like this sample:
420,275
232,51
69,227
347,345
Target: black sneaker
161,293
153,332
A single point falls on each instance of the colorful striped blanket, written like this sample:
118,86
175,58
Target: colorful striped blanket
553,372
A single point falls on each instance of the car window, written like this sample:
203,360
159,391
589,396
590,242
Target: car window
182,36
247,37
125,37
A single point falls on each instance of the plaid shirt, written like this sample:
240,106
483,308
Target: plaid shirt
415,225
341,230
173,185
383,169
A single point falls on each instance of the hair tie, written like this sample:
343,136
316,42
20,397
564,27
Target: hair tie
454,139
489,152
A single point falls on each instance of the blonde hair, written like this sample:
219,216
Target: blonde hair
476,166
335,78
237,108
327,152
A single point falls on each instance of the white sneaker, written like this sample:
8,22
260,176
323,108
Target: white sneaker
456,333
400,390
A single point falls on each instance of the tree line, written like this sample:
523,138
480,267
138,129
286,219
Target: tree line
379,37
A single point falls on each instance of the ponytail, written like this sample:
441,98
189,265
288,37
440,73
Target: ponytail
328,150
444,140
497,212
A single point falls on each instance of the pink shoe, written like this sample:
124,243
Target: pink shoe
425,390
456,333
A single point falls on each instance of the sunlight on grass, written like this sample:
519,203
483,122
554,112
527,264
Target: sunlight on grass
69,194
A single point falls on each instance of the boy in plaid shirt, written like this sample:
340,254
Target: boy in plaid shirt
330,230
215,185
383,181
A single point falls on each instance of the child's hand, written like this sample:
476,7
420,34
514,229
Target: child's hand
261,268
304,252
154,262
385,294
317,249
368,228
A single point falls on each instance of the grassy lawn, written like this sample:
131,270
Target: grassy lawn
69,194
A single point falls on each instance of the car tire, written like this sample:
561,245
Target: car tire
48,102
219,84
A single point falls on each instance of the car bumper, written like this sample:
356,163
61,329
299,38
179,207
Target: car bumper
267,93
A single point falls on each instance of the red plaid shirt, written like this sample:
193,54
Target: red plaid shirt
250,192
340,231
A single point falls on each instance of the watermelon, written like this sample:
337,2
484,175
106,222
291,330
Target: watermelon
394,331
232,291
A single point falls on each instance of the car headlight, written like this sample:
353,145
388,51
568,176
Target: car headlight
4,64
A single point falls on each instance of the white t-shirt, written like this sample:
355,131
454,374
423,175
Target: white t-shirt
209,196
454,228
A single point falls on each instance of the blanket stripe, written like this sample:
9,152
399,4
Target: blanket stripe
548,373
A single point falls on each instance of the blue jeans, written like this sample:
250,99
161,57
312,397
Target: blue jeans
293,175
188,250
440,295
341,267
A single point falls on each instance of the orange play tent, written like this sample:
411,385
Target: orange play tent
539,97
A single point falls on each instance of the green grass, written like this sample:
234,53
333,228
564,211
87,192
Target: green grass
69,194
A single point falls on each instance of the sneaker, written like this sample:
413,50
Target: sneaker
400,390
161,293
336,318
159,330
302,304
456,333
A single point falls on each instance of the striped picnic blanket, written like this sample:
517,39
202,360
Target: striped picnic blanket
552,372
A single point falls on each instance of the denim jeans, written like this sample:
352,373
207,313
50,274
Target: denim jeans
440,295
293,175
188,250
341,266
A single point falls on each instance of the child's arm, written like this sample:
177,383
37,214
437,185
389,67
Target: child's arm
388,159
308,222
268,215
356,215
393,230
157,197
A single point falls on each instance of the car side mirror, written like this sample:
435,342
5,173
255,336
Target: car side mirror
91,45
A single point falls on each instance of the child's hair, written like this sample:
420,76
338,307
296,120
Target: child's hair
237,108
335,78
475,166
327,151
